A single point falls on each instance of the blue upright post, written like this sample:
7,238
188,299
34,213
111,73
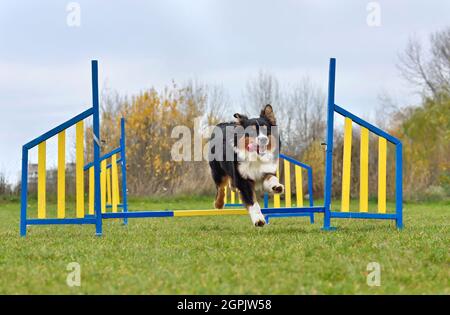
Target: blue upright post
124,169
266,205
310,187
399,185
310,192
24,193
96,127
329,146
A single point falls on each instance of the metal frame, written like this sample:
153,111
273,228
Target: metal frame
94,112
331,109
294,213
98,217
171,213
104,157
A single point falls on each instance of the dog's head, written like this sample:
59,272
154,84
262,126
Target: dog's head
259,134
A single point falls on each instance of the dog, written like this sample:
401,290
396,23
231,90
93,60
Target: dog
254,160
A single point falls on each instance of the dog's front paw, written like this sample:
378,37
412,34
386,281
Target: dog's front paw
261,222
278,189
256,215
272,185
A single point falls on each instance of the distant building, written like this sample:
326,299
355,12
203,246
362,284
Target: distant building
51,176
32,173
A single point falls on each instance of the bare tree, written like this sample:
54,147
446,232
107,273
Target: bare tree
300,110
261,90
303,116
428,70
386,110
217,103
5,187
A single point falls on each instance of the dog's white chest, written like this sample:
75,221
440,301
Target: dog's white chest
255,170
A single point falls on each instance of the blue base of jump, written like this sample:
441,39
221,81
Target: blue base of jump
138,214
90,219
305,211
268,213
363,215
61,221
289,215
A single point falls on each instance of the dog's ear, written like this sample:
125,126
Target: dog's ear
240,118
267,112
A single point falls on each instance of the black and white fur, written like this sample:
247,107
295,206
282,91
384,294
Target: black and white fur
254,162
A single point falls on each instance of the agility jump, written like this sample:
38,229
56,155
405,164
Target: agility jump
105,202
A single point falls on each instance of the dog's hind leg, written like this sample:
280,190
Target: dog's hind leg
221,180
220,194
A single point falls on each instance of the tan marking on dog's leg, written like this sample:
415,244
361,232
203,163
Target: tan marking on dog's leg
220,195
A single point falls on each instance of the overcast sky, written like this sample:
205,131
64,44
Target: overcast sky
45,63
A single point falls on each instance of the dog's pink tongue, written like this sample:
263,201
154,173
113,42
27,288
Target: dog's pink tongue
252,147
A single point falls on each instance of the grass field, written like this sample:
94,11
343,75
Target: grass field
226,255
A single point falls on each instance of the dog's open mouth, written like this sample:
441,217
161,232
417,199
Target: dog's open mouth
259,149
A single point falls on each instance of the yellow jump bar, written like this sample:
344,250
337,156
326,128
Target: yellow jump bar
41,180
91,190
276,197
299,186
79,169
287,183
108,186
115,183
61,210
345,204
364,171
195,213
233,197
382,148
103,185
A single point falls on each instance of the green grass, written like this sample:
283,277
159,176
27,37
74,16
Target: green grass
226,255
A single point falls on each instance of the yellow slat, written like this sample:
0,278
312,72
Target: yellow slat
115,183
117,188
233,197
226,193
347,157
42,147
79,169
287,184
364,171
61,209
91,190
108,186
382,148
103,184
299,186
192,213
276,197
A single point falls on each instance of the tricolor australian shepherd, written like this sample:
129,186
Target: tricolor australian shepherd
254,147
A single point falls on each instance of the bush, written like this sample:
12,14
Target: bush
434,193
